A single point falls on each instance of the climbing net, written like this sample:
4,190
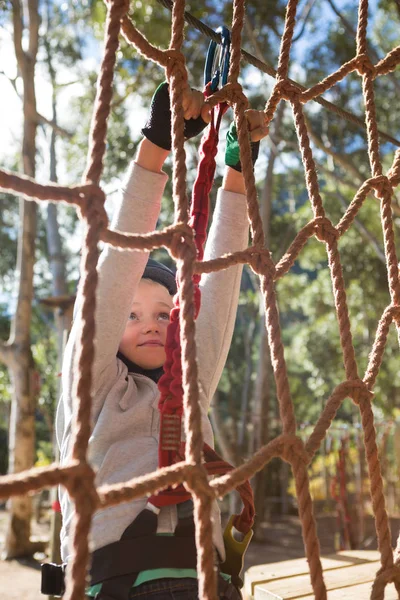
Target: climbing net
78,476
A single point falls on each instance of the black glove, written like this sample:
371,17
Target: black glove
232,152
158,126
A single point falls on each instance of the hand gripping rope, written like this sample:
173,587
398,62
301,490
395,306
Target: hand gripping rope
171,448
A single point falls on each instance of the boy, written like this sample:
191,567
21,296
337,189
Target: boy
134,299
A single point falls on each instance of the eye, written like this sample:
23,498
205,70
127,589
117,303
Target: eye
133,317
163,316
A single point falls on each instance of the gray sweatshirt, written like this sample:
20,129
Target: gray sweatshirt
125,420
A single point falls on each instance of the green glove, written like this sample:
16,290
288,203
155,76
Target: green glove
232,152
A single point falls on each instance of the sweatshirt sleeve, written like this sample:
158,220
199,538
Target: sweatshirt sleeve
220,291
119,274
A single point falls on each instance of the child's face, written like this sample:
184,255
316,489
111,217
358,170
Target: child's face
145,333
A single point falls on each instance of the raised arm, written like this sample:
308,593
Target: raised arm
119,274
220,291
120,271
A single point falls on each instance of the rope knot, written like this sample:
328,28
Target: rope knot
182,242
364,65
293,447
235,95
394,311
262,263
358,391
389,575
381,185
230,93
287,90
120,5
91,206
175,64
81,486
196,481
325,231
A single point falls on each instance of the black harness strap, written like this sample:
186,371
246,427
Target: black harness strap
112,564
144,553
140,549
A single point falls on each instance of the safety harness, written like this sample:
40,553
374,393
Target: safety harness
171,448
117,565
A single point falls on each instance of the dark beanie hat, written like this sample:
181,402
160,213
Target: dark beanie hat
161,274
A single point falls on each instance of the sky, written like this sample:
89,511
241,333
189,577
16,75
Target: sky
11,123
11,113
11,105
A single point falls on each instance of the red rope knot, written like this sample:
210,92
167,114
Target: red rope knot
91,205
287,90
358,391
175,64
325,231
182,242
382,185
261,262
293,447
364,66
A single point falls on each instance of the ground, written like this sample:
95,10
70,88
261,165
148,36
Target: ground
281,540
20,580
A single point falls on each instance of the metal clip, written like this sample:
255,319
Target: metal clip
235,551
217,62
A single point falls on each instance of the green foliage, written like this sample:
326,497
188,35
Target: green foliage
307,307
120,147
45,454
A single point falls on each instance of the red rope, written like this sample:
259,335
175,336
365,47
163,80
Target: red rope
170,405
215,465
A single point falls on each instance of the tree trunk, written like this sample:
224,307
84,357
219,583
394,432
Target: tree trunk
19,359
22,419
226,448
249,334
261,425
62,310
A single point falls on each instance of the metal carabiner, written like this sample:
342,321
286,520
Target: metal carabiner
217,62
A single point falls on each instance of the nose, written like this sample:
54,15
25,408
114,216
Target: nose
151,325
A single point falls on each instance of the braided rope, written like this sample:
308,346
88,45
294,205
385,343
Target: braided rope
77,476
386,65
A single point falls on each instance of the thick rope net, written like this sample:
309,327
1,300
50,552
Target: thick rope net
78,476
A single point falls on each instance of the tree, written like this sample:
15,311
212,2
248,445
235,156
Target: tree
305,297
16,353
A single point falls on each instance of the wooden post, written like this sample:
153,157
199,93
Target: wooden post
63,307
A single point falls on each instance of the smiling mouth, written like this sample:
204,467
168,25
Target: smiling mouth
153,343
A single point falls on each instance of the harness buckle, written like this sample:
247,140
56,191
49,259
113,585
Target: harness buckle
235,550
